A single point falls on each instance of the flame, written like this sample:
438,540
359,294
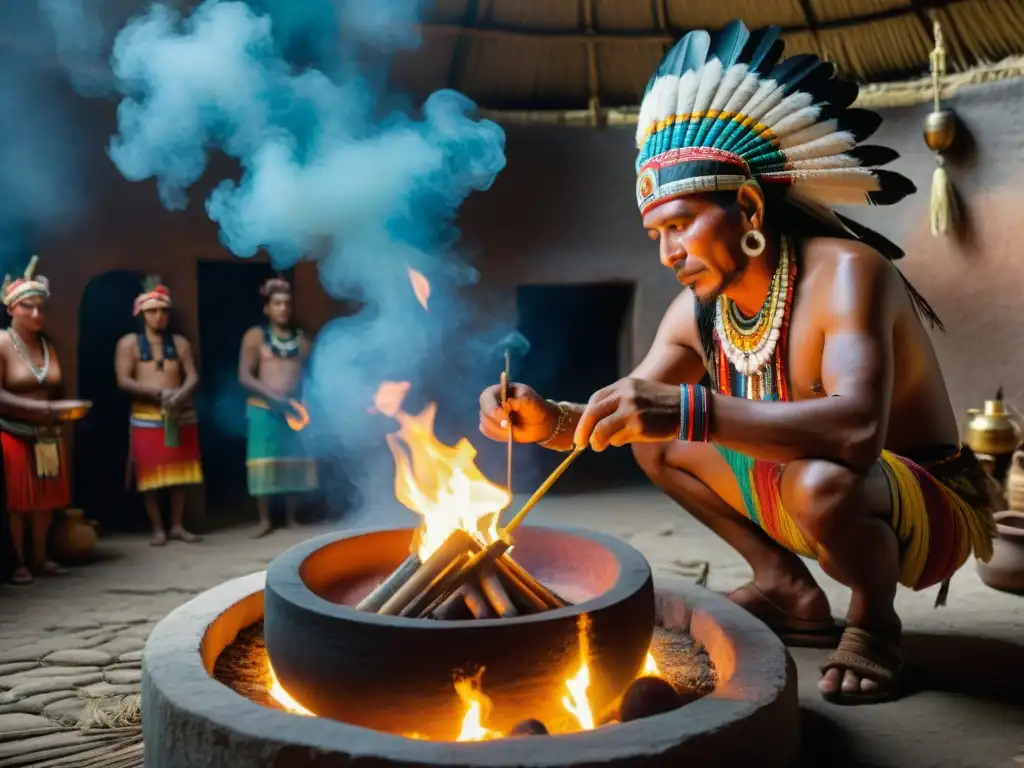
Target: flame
389,397
420,286
576,702
441,483
478,708
281,696
300,418
651,667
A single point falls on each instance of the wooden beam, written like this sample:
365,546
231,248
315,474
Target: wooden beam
461,52
607,37
661,14
810,18
593,79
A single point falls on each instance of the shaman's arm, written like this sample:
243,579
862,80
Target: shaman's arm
849,426
672,359
124,367
249,364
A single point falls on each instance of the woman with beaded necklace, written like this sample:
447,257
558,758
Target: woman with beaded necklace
31,414
792,400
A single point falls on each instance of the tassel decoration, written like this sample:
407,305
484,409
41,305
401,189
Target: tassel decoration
939,133
943,204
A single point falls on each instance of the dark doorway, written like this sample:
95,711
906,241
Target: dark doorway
229,304
578,338
101,439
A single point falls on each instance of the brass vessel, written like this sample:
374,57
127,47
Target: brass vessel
992,430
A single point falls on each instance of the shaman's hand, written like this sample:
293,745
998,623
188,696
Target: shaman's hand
533,418
630,411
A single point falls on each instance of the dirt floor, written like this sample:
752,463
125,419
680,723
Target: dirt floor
967,659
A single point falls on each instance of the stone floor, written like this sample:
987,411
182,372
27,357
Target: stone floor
967,659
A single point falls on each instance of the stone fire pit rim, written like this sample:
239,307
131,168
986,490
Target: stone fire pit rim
180,696
284,577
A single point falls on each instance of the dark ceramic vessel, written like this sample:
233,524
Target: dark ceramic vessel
386,672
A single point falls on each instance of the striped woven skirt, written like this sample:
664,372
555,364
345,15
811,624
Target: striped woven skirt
941,510
162,457
276,458
35,474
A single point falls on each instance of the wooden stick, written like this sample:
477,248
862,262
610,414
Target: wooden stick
434,567
470,569
496,595
386,589
478,604
550,599
421,605
531,502
453,609
520,590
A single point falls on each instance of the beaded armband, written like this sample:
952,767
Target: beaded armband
564,418
694,413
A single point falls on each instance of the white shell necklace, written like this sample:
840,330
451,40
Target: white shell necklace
19,345
750,348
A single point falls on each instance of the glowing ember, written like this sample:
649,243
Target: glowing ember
300,418
420,286
478,709
282,697
441,483
577,702
651,667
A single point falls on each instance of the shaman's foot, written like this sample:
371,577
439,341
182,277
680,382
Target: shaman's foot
864,669
51,568
179,533
261,530
22,576
798,613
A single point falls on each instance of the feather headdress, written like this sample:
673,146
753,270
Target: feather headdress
154,295
724,109
26,286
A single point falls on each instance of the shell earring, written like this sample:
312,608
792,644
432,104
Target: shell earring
752,243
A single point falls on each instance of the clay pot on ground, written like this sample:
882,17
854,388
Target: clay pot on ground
73,536
1005,571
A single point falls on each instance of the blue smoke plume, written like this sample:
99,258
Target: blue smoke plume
329,170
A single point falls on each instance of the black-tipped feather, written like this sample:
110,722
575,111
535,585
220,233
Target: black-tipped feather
895,187
873,156
763,50
840,95
862,123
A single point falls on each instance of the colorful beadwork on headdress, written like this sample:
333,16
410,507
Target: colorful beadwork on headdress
721,110
154,296
21,288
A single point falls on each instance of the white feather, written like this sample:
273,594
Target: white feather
826,162
652,109
828,197
686,94
710,77
863,179
833,144
728,86
797,121
808,134
788,106
744,93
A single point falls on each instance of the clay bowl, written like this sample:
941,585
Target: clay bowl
384,672
1005,571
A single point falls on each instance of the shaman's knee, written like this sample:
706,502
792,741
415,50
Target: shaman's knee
651,457
816,493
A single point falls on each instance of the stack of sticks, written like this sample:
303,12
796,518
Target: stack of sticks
465,578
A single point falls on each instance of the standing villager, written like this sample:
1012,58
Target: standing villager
270,367
31,417
827,430
156,367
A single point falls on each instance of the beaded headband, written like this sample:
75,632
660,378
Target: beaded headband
154,296
17,290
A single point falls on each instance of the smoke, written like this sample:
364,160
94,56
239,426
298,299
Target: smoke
330,170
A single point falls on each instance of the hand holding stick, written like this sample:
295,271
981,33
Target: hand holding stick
504,404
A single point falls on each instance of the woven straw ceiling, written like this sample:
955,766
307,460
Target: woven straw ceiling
557,54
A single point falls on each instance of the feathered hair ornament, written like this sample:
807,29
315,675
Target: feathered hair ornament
724,109
155,295
29,284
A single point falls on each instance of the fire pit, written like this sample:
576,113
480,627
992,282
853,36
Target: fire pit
192,720
384,672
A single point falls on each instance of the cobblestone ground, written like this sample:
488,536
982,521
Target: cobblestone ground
71,647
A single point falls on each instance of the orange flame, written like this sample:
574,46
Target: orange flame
478,709
298,420
442,484
281,696
420,286
651,667
576,702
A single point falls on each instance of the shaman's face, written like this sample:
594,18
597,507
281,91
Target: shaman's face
699,240
29,314
279,309
156,318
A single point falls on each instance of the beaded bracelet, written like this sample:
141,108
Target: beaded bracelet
564,414
694,413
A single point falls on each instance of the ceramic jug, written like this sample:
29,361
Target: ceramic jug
1005,571
73,536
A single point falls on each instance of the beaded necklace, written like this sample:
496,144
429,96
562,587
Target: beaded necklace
282,347
748,354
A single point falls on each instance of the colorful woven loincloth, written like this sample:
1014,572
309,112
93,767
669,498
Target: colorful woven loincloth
35,469
160,457
941,511
276,459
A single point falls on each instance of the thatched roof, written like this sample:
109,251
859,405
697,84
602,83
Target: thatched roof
560,54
